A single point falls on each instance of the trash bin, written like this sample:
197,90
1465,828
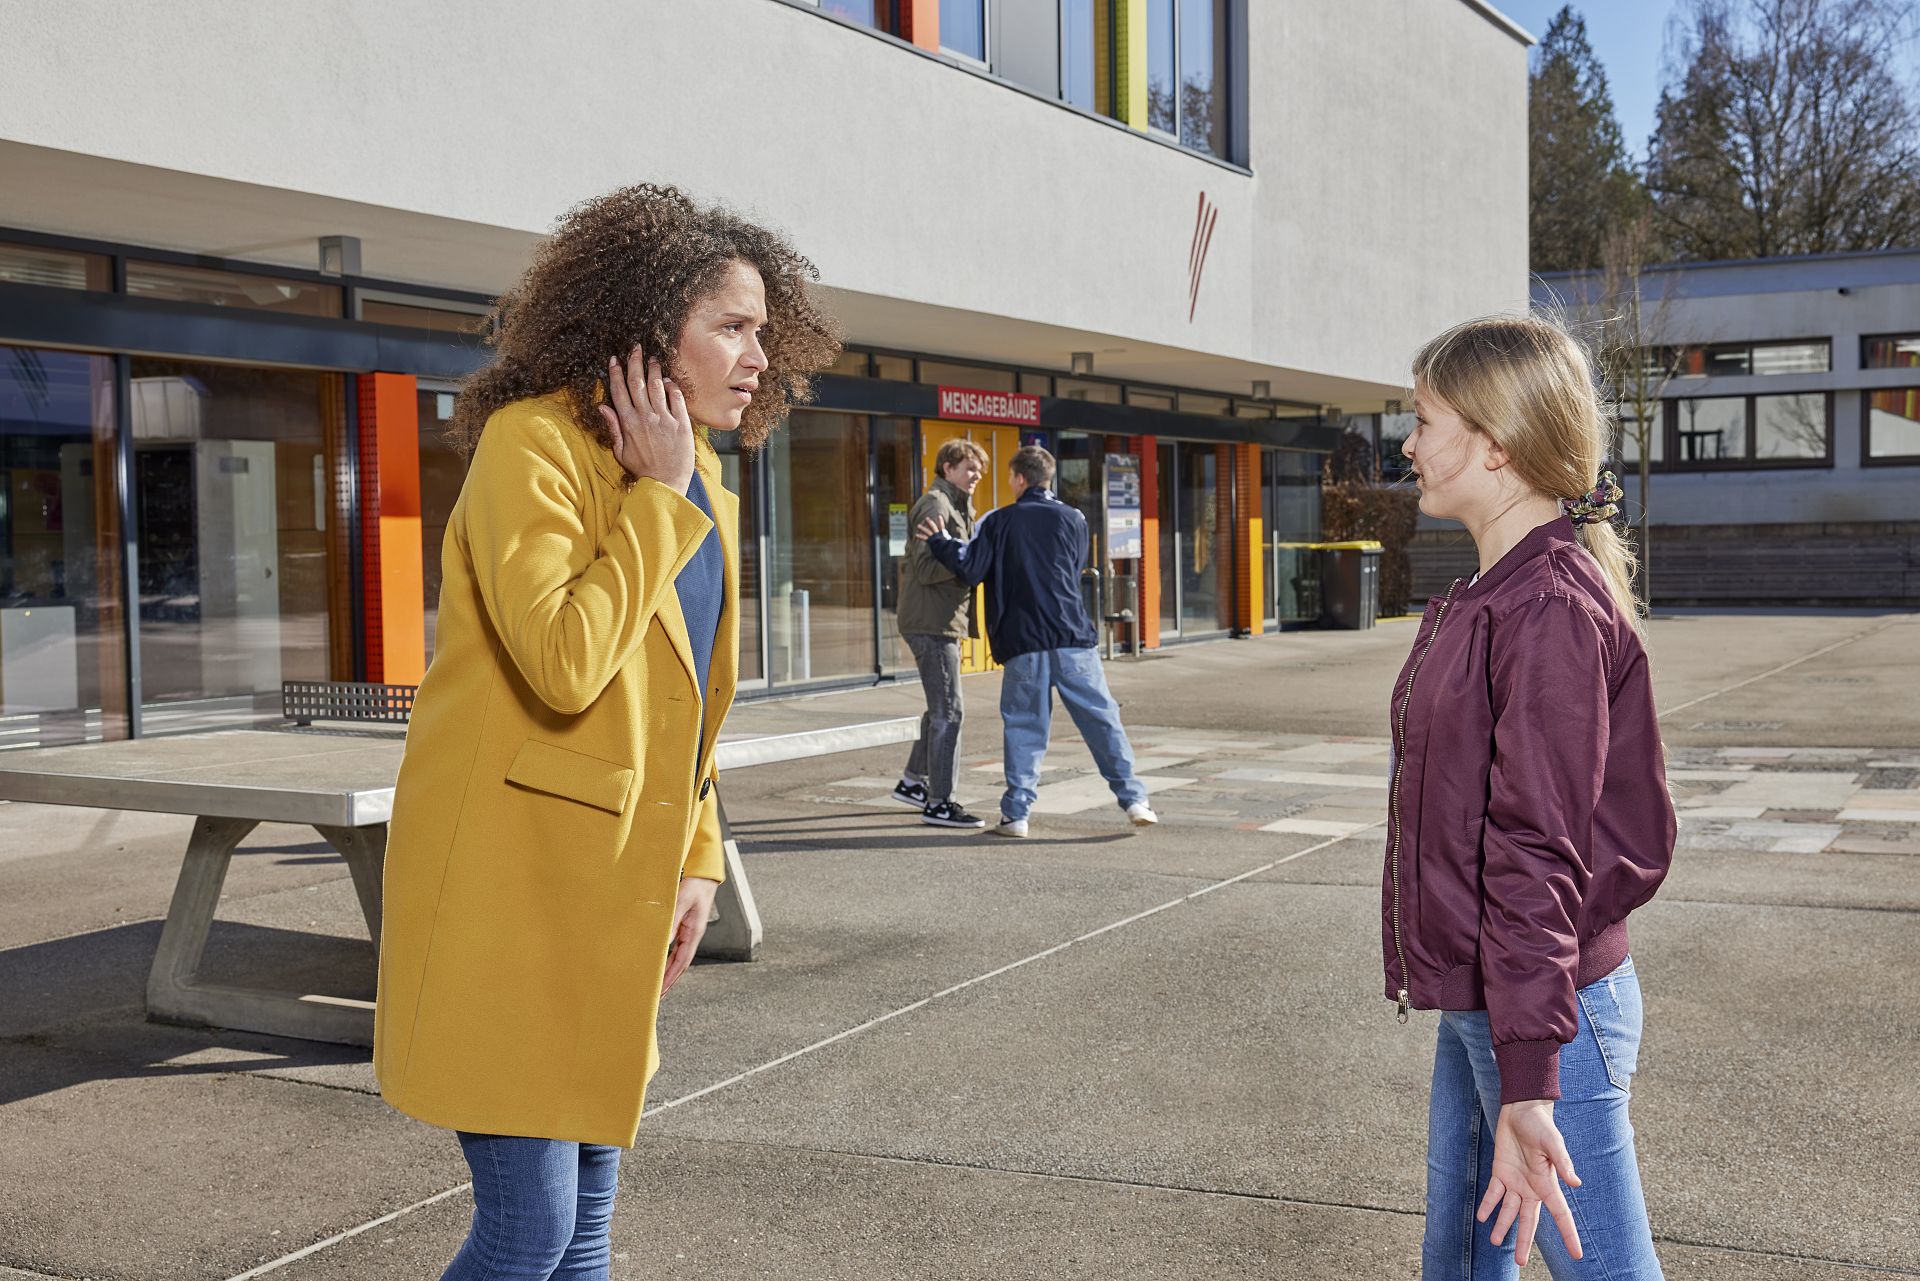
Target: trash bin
1350,584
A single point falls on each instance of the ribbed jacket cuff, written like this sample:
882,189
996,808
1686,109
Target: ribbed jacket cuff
1528,1070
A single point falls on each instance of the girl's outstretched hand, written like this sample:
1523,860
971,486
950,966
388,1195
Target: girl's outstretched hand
1529,1161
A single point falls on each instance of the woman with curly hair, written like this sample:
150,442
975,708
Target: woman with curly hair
555,844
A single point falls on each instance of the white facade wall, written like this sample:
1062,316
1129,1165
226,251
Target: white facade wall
948,212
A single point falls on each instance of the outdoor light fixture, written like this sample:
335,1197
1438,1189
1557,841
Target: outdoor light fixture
339,255
1082,363
1262,389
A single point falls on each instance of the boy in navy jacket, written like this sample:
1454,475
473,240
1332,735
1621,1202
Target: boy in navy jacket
1030,555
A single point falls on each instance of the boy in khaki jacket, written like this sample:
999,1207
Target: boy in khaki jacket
936,614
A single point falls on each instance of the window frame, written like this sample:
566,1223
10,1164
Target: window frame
1749,460
1749,346
1867,458
1912,336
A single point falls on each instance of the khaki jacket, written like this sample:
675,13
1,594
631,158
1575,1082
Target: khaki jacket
556,786
933,602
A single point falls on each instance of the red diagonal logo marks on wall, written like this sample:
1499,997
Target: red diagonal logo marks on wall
1208,214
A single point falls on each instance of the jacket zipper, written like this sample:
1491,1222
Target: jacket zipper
1399,768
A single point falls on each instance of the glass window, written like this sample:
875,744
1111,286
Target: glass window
1790,426
233,484
1192,402
1631,433
943,374
438,320
820,551
1249,409
1149,399
1894,351
1036,384
1205,537
1394,430
896,476
1292,506
1791,358
1726,362
1081,389
1077,43
1162,108
1893,423
740,475
54,268
231,289
860,11
62,658
898,368
963,28
850,364
1712,430
1203,75
442,472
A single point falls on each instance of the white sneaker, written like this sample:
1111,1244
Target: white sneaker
1011,826
1142,814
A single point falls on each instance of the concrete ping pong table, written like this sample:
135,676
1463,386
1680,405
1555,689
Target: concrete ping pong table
340,783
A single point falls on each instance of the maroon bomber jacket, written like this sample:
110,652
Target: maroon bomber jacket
1528,812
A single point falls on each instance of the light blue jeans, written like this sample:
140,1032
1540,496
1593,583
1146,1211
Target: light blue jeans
1608,1208
542,1210
1026,717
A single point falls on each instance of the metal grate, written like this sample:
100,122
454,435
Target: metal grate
304,702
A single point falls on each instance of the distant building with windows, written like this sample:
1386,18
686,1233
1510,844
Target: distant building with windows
244,261
1786,461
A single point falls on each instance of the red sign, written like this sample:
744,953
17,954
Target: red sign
989,406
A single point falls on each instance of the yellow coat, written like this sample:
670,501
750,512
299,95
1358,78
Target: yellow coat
556,787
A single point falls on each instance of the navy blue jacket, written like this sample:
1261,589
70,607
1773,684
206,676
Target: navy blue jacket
1030,556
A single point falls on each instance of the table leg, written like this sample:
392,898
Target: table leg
175,993
734,934
365,850
184,937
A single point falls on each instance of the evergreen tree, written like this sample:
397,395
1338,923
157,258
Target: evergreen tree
1579,179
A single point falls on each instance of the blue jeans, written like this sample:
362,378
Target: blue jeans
542,1209
1026,715
1608,1208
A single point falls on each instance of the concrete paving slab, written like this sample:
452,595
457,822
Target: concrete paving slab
1113,1061
727,1210
191,1172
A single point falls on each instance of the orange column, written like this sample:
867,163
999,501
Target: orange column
1148,447
392,590
920,23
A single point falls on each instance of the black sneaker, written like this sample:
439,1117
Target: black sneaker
949,814
914,794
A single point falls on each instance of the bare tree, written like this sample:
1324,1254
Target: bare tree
1787,127
1635,354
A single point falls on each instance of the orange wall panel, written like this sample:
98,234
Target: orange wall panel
394,593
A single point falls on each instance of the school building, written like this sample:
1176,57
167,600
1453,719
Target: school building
245,259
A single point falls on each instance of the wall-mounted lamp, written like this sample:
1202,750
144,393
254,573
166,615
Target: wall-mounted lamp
1262,389
339,255
1082,363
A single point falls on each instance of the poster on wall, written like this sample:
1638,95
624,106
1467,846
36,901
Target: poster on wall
897,529
1123,507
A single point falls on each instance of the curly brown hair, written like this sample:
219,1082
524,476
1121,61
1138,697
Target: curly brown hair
624,269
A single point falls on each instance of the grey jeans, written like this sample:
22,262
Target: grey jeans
938,747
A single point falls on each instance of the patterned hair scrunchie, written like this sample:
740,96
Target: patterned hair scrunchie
1597,504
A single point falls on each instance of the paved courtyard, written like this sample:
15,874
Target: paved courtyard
1094,1053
